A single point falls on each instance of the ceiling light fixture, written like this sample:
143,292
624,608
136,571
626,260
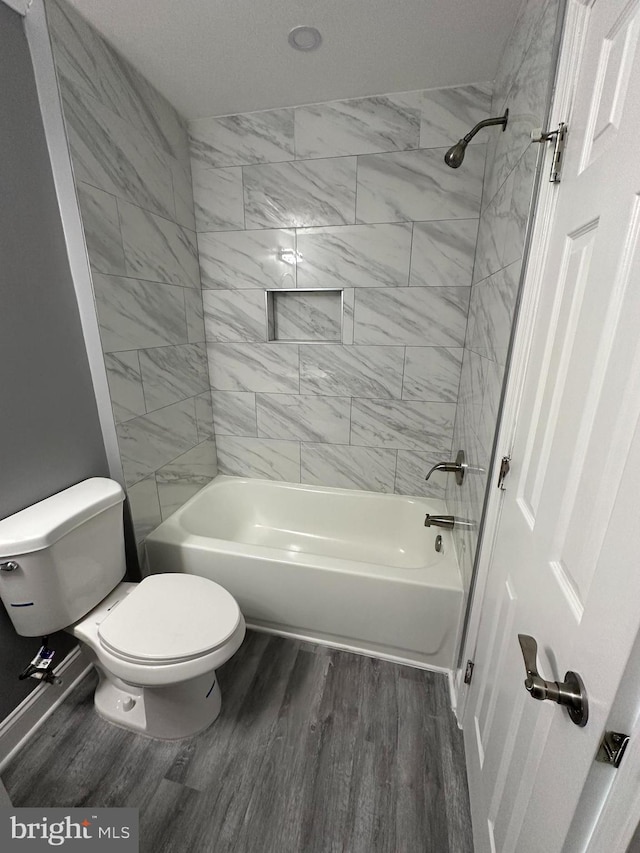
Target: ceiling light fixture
305,38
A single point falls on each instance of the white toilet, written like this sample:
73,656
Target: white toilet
155,644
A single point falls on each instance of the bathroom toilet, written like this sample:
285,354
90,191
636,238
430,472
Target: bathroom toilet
156,645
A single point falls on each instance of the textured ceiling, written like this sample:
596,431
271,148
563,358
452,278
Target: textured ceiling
214,57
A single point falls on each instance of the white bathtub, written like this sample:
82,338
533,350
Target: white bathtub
355,569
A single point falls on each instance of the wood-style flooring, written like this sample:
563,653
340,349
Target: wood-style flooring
315,751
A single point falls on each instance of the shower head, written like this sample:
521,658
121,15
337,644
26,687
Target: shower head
455,155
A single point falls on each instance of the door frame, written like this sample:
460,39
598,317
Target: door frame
618,817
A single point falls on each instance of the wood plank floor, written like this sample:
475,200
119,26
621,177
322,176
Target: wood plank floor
315,751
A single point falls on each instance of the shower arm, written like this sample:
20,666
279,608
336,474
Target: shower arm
487,122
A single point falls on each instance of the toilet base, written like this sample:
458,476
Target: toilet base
167,713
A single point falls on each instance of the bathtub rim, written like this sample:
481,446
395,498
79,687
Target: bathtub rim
442,574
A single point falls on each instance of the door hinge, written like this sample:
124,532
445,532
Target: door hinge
559,138
505,467
468,673
612,748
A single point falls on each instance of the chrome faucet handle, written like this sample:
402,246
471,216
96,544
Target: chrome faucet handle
459,467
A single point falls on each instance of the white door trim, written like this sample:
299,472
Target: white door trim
534,262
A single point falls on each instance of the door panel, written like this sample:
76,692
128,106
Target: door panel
562,568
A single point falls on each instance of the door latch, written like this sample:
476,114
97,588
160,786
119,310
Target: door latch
571,692
505,467
612,748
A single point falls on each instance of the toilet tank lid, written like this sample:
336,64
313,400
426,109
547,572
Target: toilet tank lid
42,524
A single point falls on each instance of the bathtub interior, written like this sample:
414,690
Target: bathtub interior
336,523
348,568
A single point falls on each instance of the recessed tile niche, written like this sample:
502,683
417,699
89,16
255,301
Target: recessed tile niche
304,316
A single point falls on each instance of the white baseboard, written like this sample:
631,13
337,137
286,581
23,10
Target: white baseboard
26,719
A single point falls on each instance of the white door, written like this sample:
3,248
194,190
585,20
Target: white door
566,562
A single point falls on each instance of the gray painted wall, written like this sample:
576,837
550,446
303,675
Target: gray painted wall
50,435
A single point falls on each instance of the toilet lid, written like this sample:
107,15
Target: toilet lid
169,618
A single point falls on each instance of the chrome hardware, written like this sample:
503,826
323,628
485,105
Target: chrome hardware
9,566
612,748
446,521
505,467
438,543
571,692
459,467
468,672
559,138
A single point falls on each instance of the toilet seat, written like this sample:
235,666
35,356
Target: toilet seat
169,619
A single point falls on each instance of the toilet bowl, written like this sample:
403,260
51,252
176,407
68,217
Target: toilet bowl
156,644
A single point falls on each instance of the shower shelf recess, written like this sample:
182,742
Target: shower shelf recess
302,316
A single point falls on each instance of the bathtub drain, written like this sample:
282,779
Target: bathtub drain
438,543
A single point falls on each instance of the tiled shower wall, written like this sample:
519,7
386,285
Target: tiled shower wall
522,84
350,195
130,157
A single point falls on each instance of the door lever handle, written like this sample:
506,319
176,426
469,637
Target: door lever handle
570,693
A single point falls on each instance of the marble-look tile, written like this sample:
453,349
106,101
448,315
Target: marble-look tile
358,126
524,176
517,47
418,185
145,507
218,199
235,315
137,314
86,60
344,467
194,312
351,371
182,478
156,249
300,194
110,154
183,194
307,316
442,253
527,101
306,418
204,416
427,427
348,311
125,385
354,256
232,260
234,413
101,230
411,469
413,316
170,374
491,314
272,368
432,373
151,441
447,114
259,457
492,232
238,140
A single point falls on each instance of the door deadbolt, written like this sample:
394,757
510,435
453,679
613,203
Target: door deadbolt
570,693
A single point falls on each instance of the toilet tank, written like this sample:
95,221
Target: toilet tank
69,551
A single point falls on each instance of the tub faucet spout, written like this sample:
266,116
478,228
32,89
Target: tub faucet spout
458,467
446,521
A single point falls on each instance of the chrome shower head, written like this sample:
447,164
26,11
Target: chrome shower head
455,155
